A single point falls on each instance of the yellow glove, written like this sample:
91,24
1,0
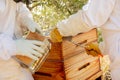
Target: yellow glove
93,49
55,36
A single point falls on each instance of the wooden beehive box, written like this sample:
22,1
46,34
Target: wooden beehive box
53,68
77,64
66,61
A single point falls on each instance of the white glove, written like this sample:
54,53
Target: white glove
30,48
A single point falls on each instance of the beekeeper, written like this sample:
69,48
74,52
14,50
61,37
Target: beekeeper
14,19
104,14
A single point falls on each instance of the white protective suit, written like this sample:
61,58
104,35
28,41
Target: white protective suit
11,15
104,14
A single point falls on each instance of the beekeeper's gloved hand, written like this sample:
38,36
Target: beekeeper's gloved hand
30,48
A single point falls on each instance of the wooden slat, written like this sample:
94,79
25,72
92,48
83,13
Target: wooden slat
50,69
89,36
69,48
95,76
81,58
76,73
58,76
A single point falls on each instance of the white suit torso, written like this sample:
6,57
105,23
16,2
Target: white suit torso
114,18
10,12
7,24
104,14
7,17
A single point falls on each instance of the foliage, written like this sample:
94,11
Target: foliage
48,12
100,39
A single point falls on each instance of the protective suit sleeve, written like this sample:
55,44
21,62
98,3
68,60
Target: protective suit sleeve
24,20
97,14
7,46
